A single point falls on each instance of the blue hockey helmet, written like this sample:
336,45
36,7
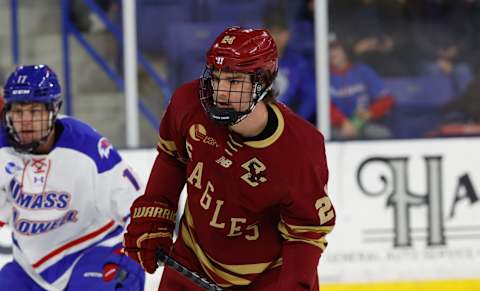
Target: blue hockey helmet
31,84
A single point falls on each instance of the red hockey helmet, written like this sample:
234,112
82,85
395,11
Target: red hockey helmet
248,51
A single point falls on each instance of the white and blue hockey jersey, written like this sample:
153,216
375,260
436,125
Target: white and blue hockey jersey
59,204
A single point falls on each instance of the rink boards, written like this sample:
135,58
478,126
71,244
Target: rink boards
445,285
408,215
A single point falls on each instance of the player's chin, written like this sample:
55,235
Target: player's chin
27,138
222,104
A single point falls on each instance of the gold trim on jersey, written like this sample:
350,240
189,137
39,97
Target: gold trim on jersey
278,132
303,228
188,216
167,146
170,148
234,142
228,152
231,273
297,233
246,269
206,264
230,145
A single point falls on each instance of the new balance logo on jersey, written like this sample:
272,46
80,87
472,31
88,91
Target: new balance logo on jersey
224,162
219,60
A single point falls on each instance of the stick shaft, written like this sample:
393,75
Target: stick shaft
192,276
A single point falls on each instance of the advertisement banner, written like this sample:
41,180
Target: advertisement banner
406,210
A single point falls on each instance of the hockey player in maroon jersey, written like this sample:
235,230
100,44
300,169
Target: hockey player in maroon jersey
257,210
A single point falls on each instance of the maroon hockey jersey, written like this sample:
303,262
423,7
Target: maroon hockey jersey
246,200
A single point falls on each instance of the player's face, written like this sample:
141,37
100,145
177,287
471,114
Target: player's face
30,121
338,57
232,90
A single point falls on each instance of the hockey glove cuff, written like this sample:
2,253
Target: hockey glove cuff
151,228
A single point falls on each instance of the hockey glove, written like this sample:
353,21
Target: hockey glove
151,227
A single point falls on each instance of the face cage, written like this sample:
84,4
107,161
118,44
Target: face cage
32,146
225,115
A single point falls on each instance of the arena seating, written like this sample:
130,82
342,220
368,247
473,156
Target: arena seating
418,101
155,18
186,46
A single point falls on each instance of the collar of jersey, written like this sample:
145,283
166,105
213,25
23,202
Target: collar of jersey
271,139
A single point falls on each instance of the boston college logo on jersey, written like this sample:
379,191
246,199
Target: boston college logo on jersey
255,172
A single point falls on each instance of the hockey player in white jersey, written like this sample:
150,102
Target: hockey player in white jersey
65,194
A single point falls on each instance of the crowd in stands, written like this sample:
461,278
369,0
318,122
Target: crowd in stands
295,80
425,52
398,68
81,16
359,98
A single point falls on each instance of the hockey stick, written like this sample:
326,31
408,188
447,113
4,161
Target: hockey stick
192,276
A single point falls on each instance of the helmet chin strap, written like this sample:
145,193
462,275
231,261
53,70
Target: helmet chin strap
26,148
225,116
